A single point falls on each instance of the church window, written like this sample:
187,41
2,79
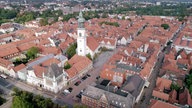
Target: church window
80,50
80,34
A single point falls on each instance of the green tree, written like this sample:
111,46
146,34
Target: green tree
71,51
67,66
2,100
165,26
175,87
23,99
43,22
32,53
89,56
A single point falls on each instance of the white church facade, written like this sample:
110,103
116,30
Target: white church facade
85,45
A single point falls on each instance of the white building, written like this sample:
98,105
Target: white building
54,79
85,45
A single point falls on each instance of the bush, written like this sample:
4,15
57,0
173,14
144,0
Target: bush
165,26
67,66
2,100
89,56
71,51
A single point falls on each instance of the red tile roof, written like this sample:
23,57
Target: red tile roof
161,104
19,67
78,63
92,43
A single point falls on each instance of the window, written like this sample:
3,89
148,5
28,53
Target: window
80,50
80,34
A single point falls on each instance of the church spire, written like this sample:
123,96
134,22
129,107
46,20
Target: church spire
81,20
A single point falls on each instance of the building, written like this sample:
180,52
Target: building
54,79
80,65
85,45
95,97
161,104
135,86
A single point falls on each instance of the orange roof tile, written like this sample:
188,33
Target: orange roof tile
92,43
161,104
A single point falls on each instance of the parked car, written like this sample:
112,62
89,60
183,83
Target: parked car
3,76
79,95
66,92
77,83
84,78
70,89
88,75
97,77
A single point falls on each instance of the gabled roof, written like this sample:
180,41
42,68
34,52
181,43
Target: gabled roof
92,43
53,71
134,85
19,67
161,104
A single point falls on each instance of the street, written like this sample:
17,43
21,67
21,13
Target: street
97,66
147,94
148,91
8,84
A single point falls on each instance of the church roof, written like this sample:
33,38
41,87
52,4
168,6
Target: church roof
92,43
53,70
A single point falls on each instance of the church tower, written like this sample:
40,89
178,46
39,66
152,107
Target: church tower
81,39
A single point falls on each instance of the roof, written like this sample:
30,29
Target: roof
78,63
162,83
160,95
185,97
4,62
111,98
40,60
19,67
134,85
53,71
92,43
38,70
161,104
50,61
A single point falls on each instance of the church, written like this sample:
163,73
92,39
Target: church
85,44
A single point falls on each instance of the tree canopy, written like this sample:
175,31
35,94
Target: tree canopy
165,26
32,53
71,51
23,99
67,66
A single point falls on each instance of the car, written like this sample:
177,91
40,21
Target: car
84,78
66,92
70,89
97,77
79,95
88,75
3,76
77,83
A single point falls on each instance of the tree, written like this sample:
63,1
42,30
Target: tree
43,22
67,66
165,26
71,51
2,100
32,53
23,99
89,56
175,87
104,15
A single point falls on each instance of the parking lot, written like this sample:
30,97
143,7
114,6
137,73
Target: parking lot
81,83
